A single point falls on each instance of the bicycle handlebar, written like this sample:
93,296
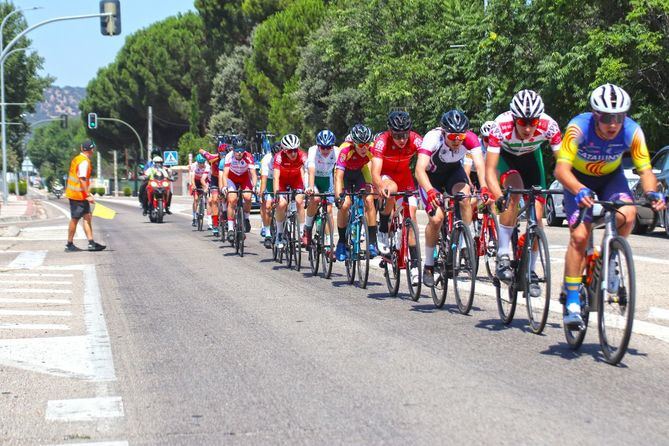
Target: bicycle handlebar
609,206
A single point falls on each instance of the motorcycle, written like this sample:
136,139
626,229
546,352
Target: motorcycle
158,192
57,191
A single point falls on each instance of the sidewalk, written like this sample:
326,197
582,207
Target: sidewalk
17,209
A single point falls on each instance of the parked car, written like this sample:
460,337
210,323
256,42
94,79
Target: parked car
647,219
555,213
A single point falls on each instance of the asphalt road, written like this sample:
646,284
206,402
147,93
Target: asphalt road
210,348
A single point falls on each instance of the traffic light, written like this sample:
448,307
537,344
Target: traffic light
110,25
63,121
93,121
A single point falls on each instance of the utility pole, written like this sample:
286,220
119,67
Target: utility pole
149,145
115,173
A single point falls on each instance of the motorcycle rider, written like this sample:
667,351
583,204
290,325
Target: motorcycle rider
156,170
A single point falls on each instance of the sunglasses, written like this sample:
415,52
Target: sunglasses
325,148
400,135
610,118
456,136
291,151
527,122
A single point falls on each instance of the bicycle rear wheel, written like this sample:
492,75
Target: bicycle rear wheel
464,269
615,307
391,271
315,247
489,240
537,307
411,263
507,293
362,256
327,246
440,288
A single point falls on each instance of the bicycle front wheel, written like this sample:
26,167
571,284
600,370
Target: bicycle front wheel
362,256
239,232
351,236
616,302
315,246
537,282
464,269
413,261
327,246
297,243
391,267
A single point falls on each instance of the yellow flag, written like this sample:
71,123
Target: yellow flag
103,212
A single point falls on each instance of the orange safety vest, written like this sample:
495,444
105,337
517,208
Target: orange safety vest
75,189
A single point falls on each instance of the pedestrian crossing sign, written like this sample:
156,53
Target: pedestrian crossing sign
171,158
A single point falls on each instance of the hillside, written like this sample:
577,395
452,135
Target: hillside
58,101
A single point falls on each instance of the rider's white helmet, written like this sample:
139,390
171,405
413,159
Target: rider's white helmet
290,142
157,159
486,128
526,104
609,98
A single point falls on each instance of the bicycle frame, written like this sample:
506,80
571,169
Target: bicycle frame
397,221
355,216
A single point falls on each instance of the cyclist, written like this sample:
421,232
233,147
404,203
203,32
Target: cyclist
439,169
470,168
391,172
266,188
156,169
589,162
197,180
321,160
514,152
239,173
351,175
288,168
214,161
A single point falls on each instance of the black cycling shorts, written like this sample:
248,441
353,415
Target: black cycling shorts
354,180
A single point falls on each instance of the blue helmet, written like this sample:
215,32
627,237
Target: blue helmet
325,138
200,159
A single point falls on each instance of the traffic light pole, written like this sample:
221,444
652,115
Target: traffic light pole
141,146
3,55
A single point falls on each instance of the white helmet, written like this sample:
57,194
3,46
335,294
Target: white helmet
526,104
609,98
290,142
157,159
486,128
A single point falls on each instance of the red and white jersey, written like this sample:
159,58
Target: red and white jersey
198,170
239,167
441,156
396,160
290,167
503,135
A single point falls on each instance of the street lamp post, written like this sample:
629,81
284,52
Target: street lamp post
5,192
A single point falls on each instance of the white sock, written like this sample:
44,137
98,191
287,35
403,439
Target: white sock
429,255
230,225
279,227
504,239
309,221
301,228
534,255
247,215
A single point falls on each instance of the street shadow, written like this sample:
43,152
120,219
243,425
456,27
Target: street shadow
386,296
564,351
497,325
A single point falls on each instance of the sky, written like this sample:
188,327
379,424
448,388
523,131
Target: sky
74,50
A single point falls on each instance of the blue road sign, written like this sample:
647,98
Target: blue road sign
171,158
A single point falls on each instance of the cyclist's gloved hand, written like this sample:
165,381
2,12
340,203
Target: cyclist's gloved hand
581,196
485,194
654,196
434,197
500,204
224,190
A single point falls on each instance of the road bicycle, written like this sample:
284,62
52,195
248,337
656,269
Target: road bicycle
291,232
534,239
456,257
321,248
357,240
400,230
608,287
239,228
200,208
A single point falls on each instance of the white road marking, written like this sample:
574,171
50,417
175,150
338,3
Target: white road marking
34,290
13,274
101,443
59,313
28,260
63,211
11,300
658,313
84,409
41,282
17,326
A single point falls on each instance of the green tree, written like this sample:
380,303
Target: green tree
190,143
226,102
